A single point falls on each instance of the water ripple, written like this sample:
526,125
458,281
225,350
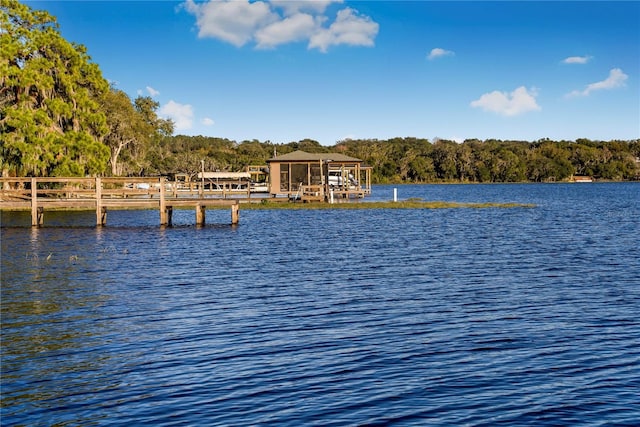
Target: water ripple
333,318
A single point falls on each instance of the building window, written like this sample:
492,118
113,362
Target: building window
316,174
284,176
299,175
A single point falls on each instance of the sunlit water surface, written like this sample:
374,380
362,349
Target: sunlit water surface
521,316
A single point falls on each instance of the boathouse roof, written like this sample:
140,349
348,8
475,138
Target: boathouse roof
223,175
303,156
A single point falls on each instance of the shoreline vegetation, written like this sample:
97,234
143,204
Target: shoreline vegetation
401,204
411,160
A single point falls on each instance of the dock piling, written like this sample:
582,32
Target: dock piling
164,213
200,214
35,215
168,214
235,213
102,216
101,213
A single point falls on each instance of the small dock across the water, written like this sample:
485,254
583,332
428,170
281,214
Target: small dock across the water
39,195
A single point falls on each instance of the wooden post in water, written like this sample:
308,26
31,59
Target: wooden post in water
164,220
36,218
103,216
101,212
169,215
235,213
200,214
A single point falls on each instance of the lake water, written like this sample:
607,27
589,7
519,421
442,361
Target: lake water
475,317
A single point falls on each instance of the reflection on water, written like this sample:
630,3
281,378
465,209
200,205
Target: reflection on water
408,317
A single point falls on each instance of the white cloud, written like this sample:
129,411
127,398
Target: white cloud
349,28
229,20
517,102
270,24
577,60
181,114
208,121
439,53
616,79
291,7
152,91
293,28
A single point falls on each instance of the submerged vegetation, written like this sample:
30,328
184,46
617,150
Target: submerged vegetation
60,117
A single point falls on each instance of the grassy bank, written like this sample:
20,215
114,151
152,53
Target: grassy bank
406,204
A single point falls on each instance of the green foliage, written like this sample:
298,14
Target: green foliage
134,130
518,161
50,121
412,160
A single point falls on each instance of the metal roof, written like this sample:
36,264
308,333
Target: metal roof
224,175
303,156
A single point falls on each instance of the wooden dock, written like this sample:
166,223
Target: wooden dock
39,195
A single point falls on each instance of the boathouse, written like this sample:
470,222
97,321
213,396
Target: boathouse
318,176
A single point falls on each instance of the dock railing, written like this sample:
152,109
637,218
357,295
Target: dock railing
311,193
70,193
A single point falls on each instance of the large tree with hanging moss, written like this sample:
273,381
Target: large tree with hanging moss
51,123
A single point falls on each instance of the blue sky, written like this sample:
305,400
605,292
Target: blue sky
330,70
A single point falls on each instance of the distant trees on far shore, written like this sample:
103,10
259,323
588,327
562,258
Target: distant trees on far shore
415,160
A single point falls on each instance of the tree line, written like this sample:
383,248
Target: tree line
418,160
60,117
415,160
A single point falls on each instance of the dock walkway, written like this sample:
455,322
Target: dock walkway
101,194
